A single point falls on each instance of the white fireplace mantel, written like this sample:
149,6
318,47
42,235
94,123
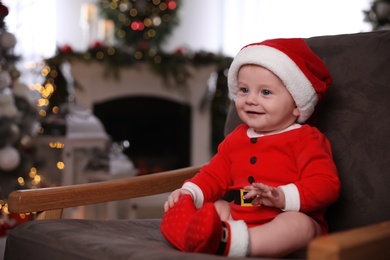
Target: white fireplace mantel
138,80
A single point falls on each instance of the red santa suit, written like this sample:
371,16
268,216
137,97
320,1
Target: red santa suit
298,159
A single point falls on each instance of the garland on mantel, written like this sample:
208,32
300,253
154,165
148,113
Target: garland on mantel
176,66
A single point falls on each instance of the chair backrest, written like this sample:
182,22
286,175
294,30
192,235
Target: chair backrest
355,116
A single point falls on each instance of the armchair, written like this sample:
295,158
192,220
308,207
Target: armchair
355,116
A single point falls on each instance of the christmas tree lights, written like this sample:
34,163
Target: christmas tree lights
142,24
18,124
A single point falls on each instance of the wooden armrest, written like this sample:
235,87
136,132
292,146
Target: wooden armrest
55,198
369,242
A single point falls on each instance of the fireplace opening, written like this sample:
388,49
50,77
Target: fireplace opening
159,130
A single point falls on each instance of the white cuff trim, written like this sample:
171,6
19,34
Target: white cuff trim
196,192
239,239
291,194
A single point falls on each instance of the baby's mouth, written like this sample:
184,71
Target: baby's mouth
254,113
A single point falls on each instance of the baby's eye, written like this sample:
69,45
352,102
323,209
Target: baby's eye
244,90
265,92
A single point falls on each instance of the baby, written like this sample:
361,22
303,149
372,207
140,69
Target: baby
279,168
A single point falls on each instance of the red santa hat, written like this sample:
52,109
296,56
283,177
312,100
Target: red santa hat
303,73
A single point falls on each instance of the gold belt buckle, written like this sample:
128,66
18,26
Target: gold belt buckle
245,202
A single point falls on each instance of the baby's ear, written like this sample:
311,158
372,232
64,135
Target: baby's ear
296,112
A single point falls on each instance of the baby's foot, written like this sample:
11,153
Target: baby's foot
175,221
204,231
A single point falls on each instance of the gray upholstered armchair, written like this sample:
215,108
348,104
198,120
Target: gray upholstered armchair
356,118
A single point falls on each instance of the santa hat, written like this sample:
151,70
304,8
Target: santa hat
302,72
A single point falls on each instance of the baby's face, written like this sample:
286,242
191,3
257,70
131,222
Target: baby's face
263,102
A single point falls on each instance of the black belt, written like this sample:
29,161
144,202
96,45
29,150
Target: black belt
238,196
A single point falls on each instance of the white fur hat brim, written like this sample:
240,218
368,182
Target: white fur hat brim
299,86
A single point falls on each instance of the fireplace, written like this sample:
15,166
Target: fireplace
142,102
158,130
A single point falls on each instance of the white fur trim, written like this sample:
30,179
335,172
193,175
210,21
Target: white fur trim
293,201
239,239
285,68
251,133
196,192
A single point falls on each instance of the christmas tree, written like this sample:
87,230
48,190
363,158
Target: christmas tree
142,24
18,122
378,15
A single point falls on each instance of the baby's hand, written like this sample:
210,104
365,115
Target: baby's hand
265,195
174,197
